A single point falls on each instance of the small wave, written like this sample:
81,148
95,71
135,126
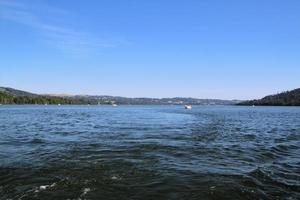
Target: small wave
85,191
293,136
37,141
271,180
249,136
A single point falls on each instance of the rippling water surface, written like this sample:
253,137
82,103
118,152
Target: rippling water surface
149,152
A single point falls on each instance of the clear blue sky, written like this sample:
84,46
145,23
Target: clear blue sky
233,49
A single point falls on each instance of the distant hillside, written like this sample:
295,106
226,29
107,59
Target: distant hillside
153,101
13,96
16,92
289,98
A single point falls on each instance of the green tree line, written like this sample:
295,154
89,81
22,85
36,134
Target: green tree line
6,98
289,98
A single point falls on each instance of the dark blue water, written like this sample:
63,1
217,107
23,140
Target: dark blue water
149,152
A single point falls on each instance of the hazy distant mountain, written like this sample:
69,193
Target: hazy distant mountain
289,98
13,96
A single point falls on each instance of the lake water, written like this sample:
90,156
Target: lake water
149,152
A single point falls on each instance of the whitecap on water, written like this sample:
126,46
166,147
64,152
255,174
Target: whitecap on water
40,188
115,178
86,190
44,187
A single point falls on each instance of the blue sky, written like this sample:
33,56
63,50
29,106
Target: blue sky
229,49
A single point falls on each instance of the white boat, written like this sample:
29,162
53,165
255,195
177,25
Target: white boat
114,104
188,106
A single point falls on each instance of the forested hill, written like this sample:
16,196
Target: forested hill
289,98
13,96
16,92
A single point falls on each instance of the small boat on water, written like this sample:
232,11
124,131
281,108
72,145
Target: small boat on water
188,107
114,104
